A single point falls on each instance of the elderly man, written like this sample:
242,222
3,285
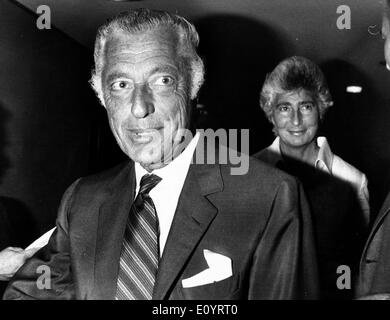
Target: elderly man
159,226
374,280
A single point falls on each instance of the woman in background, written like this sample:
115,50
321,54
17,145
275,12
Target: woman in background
294,98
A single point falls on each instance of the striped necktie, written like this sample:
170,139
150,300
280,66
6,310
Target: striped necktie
140,249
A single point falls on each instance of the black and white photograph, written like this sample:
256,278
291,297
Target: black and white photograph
201,150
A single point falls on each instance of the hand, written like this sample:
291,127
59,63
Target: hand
11,259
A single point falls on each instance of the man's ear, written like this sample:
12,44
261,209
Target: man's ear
96,86
197,78
101,98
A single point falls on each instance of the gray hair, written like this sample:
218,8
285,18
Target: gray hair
139,20
293,74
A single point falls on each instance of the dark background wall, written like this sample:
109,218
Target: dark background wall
52,129
46,119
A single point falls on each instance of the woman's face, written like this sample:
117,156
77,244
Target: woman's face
295,118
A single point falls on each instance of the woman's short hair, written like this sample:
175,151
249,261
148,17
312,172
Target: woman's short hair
294,74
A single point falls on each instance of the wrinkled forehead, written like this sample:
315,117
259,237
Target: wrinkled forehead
162,39
295,95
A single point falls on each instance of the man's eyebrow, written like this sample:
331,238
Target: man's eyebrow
164,69
116,75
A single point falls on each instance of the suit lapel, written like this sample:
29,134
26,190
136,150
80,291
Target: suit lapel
113,216
368,251
383,212
193,215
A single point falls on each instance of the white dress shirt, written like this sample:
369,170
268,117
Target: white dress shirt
332,164
166,193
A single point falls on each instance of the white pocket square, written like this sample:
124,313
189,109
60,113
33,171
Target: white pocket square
220,268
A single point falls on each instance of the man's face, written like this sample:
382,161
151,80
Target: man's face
295,118
386,37
146,95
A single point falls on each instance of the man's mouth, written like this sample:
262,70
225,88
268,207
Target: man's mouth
143,135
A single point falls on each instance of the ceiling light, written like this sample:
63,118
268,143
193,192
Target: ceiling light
354,89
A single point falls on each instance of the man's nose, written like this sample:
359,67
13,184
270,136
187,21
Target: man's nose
296,117
142,101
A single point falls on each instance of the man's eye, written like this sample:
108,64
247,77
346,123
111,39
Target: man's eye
164,81
120,85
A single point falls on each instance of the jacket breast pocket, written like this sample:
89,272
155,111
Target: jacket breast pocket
227,289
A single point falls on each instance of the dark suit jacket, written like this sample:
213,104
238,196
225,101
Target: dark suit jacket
374,274
260,220
339,231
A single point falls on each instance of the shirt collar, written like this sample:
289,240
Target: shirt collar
178,167
275,151
324,159
325,156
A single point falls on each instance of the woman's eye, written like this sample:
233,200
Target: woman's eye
307,107
120,85
164,81
283,108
